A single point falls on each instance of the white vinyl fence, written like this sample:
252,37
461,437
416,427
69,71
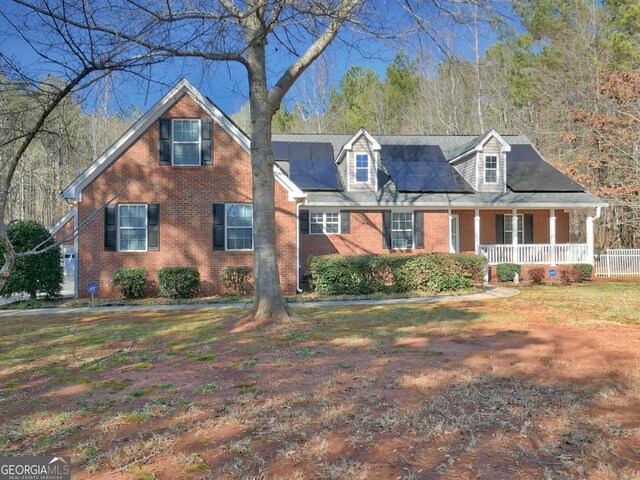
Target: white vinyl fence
619,262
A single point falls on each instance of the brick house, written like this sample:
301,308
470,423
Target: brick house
181,178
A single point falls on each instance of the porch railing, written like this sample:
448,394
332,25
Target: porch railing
536,254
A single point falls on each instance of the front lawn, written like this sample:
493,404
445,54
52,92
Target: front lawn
542,385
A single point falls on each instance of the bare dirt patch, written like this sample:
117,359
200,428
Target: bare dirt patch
543,385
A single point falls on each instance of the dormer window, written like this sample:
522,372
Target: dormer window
362,168
186,142
490,169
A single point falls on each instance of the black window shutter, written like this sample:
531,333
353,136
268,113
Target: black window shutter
345,221
304,221
218,226
205,142
528,228
500,229
153,226
418,228
110,242
386,229
165,141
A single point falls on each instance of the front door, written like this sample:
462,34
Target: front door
455,233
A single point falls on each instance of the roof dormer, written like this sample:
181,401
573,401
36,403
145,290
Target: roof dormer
358,162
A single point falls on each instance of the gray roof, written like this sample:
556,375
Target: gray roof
388,195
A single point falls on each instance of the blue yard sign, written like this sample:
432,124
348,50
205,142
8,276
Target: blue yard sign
92,288
552,273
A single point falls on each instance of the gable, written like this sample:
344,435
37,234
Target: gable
187,100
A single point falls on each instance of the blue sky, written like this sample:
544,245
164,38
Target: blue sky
226,83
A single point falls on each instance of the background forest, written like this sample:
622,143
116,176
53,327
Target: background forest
564,73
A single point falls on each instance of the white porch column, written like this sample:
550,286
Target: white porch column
451,245
476,230
514,234
552,235
590,240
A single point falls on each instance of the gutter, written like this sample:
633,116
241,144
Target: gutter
298,289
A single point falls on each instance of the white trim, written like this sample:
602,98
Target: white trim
173,142
413,230
480,145
454,248
184,86
146,226
324,222
76,223
226,229
440,206
484,166
355,167
63,221
349,145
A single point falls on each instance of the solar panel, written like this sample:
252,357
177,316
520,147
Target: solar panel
412,153
422,168
315,174
280,151
321,151
426,177
528,172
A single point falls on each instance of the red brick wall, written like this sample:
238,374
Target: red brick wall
185,195
64,232
366,236
540,225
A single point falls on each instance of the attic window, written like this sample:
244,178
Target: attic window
362,168
186,142
491,169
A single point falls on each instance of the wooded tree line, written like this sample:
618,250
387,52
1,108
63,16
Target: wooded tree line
568,79
69,142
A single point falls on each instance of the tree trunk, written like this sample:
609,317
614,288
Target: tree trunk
269,305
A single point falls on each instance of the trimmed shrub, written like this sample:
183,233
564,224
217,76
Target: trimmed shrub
537,275
475,265
130,282
586,269
237,278
366,274
507,271
179,282
33,274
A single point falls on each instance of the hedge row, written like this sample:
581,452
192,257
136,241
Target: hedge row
567,274
178,282
366,274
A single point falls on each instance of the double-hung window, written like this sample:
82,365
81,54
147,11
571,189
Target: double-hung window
132,228
402,230
324,222
490,169
186,142
508,229
239,227
362,168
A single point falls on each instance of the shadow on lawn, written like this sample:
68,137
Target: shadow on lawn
427,392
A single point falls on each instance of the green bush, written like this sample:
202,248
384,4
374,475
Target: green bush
237,278
33,274
179,282
586,269
475,265
130,282
570,274
507,271
367,274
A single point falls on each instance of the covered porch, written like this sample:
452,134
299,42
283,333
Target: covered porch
524,236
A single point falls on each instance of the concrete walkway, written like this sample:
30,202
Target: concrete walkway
491,292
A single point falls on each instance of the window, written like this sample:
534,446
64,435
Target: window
133,228
239,226
508,229
362,168
324,222
491,169
402,230
186,142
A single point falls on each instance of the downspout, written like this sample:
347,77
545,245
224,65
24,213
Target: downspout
298,289
598,213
